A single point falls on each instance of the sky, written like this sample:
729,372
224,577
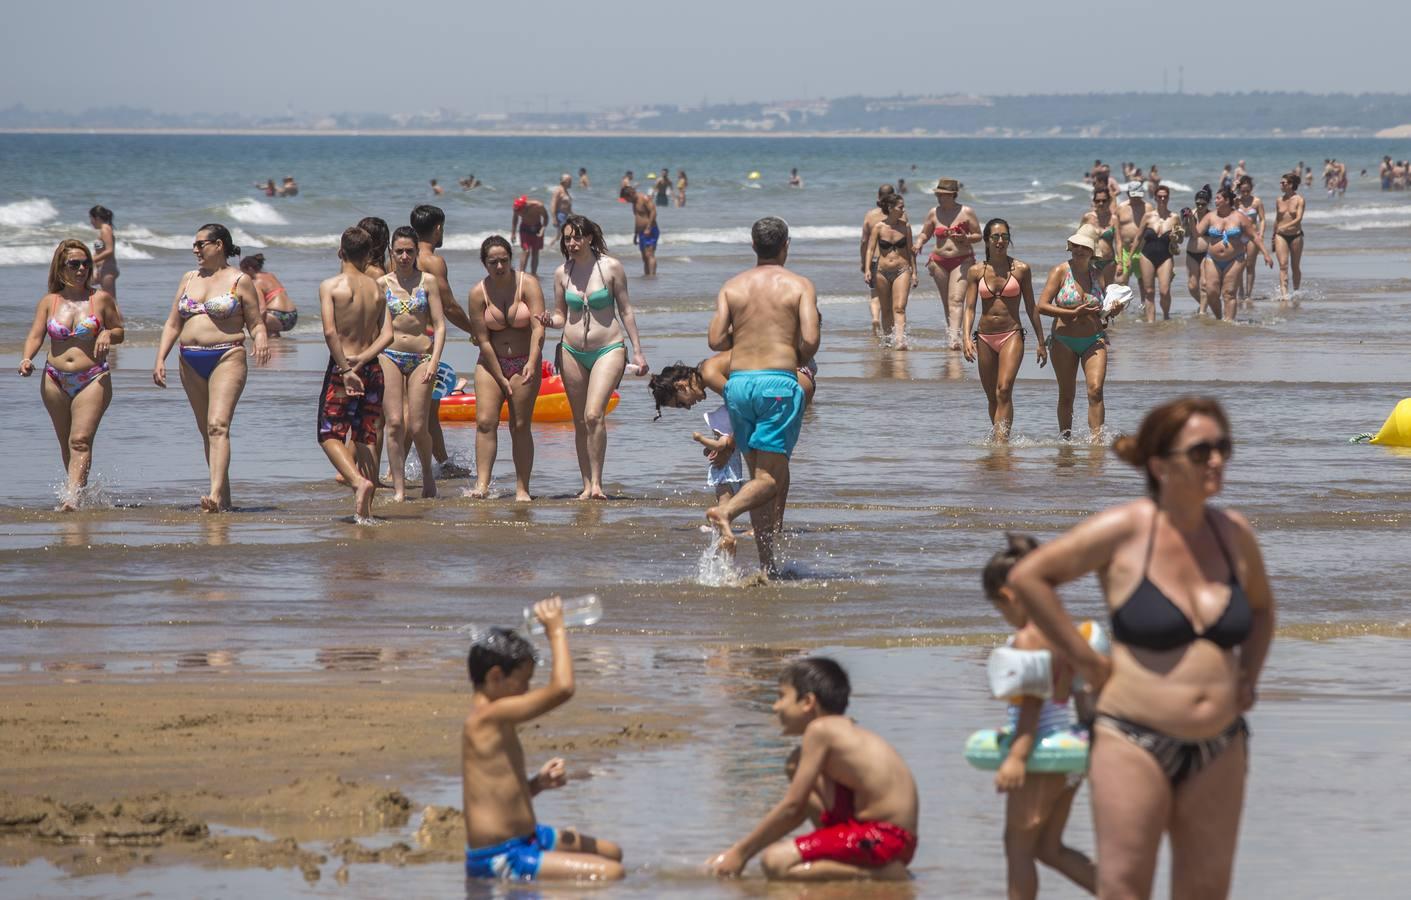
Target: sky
319,56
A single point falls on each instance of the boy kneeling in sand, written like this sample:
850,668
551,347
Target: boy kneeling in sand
503,839
855,787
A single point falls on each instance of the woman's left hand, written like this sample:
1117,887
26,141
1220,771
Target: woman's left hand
640,361
101,345
1043,355
1248,696
261,350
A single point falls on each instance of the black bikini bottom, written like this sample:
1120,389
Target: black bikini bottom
1177,758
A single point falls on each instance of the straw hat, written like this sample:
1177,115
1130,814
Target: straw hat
1085,236
946,186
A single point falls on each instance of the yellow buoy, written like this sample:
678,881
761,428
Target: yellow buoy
754,176
1396,431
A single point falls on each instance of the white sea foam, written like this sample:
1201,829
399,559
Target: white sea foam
148,238
1371,224
124,250
26,256
1176,187
252,212
26,213
1355,213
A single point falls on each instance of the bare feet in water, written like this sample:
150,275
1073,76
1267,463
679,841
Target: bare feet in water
717,518
592,494
478,493
523,497
210,504
362,497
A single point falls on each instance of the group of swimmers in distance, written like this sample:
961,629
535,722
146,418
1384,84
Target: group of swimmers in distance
980,299
1163,714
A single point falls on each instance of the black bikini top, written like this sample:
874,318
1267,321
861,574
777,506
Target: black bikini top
1150,620
885,246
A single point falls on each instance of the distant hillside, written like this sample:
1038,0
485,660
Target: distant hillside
1077,115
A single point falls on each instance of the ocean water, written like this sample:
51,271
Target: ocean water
897,498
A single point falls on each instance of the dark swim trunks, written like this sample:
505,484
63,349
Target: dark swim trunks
339,414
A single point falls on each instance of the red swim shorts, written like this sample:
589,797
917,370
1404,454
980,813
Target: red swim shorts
530,239
869,845
339,414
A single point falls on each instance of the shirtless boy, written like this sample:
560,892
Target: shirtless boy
429,222
356,329
768,318
529,220
855,787
645,232
503,838
561,203
1288,234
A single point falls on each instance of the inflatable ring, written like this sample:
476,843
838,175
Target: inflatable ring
550,406
1061,751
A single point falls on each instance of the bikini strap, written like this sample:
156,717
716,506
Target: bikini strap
518,286
1220,542
598,264
1151,540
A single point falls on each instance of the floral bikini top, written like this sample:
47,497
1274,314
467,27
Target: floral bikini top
221,306
1071,295
83,326
413,303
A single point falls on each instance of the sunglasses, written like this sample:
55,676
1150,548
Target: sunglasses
999,236
1199,454
75,264
198,246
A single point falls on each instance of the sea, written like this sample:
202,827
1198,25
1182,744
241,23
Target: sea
897,499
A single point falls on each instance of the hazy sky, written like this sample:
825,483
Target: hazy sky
323,56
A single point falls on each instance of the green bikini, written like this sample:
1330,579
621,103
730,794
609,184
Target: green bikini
602,298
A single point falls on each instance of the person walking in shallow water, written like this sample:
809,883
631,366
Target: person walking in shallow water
1288,235
1192,617
767,317
957,231
213,305
82,323
105,259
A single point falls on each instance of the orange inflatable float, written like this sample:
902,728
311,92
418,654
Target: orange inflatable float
550,406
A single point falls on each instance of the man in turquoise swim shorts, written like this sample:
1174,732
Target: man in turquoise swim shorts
767,317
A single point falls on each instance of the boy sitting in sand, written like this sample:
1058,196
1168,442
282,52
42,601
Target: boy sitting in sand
855,787
356,329
503,838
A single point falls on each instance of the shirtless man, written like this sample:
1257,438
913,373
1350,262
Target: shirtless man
436,188
530,219
582,178
767,317
504,839
869,221
645,232
289,188
561,203
1288,234
855,786
627,182
1129,218
429,223
356,329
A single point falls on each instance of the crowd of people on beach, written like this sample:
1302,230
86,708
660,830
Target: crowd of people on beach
1191,610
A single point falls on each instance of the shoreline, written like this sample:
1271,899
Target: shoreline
578,134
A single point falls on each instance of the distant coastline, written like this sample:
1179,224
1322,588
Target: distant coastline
1399,133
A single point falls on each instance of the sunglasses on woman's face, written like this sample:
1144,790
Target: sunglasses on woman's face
200,245
75,264
999,236
1200,453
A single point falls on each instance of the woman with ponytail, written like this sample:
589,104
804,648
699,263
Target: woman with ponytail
1192,615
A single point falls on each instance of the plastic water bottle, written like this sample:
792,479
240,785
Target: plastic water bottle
583,610
635,370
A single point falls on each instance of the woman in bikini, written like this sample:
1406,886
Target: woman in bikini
81,323
957,231
276,309
1073,297
895,275
591,306
105,260
214,305
1161,236
1103,218
869,262
1253,209
1227,229
418,327
507,312
680,187
993,289
1197,247
1192,617
1288,234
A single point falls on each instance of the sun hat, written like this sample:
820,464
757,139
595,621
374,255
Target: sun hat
1135,189
946,186
1085,236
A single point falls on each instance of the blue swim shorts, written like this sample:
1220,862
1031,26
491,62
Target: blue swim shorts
766,409
649,238
516,859
563,217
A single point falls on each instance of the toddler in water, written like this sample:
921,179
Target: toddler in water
854,785
1038,804
504,840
